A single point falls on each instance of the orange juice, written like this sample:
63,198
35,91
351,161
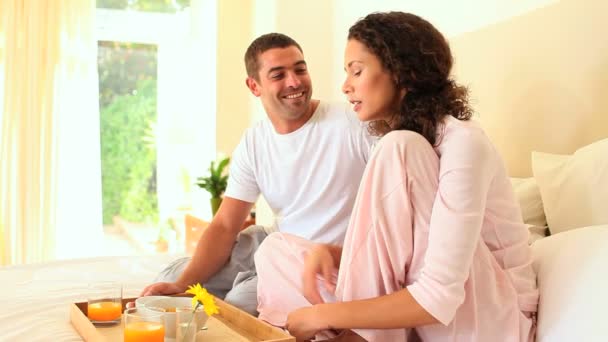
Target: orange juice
104,311
144,332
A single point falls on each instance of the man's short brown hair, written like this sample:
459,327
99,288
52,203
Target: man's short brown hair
261,45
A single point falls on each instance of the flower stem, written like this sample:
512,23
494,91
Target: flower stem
191,319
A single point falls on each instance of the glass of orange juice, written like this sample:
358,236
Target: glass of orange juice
104,303
144,325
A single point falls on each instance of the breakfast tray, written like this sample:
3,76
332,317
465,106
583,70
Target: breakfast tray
231,324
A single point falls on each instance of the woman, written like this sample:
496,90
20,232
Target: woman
436,246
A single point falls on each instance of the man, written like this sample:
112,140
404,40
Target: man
306,159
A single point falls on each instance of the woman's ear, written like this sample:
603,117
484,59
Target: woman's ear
402,93
402,89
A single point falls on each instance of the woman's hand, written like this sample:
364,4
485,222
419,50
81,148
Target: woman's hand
305,323
318,261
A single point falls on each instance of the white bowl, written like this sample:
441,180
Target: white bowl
164,302
143,301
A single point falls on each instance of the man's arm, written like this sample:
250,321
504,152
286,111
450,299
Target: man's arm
215,245
213,249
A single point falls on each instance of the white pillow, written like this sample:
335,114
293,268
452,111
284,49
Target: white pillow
531,204
573,285
574,188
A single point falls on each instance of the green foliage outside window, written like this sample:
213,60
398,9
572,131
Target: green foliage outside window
127,83
127,100
145,5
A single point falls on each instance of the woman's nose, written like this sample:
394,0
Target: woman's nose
346,88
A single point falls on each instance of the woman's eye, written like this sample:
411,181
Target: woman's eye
357,73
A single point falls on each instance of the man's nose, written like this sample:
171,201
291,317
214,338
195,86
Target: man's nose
293,80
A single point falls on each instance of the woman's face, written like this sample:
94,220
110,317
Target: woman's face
368,86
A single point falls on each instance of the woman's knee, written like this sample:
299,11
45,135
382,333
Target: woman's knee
272,247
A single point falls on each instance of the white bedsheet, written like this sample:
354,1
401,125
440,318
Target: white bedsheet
35,299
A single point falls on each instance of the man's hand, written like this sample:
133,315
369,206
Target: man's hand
212,251
305,323
318,261
159,289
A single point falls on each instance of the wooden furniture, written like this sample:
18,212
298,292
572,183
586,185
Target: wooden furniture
195,227
230,324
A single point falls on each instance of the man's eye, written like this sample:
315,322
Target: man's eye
276,76
357,73
301,71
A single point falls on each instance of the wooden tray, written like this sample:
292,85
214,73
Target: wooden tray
231,324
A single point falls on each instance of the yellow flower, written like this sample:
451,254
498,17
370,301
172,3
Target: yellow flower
202,297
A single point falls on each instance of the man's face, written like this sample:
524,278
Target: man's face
284,85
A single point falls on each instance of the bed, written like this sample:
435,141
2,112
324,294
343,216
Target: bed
538,82
570,264
35,298
567,197
545,93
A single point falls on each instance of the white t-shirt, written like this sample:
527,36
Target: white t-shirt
309,177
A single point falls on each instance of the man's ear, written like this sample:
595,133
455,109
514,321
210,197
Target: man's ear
253,86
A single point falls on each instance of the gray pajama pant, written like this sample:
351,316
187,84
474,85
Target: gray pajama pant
236,283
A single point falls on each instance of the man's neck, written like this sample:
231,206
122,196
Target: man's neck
286,127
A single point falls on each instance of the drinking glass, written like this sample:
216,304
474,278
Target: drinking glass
144,325
186,324
104,303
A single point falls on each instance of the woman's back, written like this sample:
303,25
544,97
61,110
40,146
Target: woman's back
502,230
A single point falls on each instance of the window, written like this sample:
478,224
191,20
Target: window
157,110
127,109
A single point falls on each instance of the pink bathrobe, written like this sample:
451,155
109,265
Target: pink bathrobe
442,223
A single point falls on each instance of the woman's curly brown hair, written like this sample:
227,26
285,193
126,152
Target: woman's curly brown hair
418,57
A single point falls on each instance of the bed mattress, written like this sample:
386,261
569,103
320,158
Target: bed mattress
35,299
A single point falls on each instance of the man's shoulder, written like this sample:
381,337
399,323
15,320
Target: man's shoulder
336,112
337,109
257,129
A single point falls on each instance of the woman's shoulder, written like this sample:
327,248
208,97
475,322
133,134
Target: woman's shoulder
462,131
465,138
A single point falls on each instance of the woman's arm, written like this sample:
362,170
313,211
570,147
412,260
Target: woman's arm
467,167
396,310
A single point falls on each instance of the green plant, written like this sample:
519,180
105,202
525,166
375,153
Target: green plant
128,161
215,183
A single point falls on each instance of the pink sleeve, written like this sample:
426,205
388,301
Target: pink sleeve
467,166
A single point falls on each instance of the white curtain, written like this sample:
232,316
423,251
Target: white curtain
50,182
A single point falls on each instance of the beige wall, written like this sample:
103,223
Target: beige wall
233,97
310,23
537,77
494,59
321,27
540,80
